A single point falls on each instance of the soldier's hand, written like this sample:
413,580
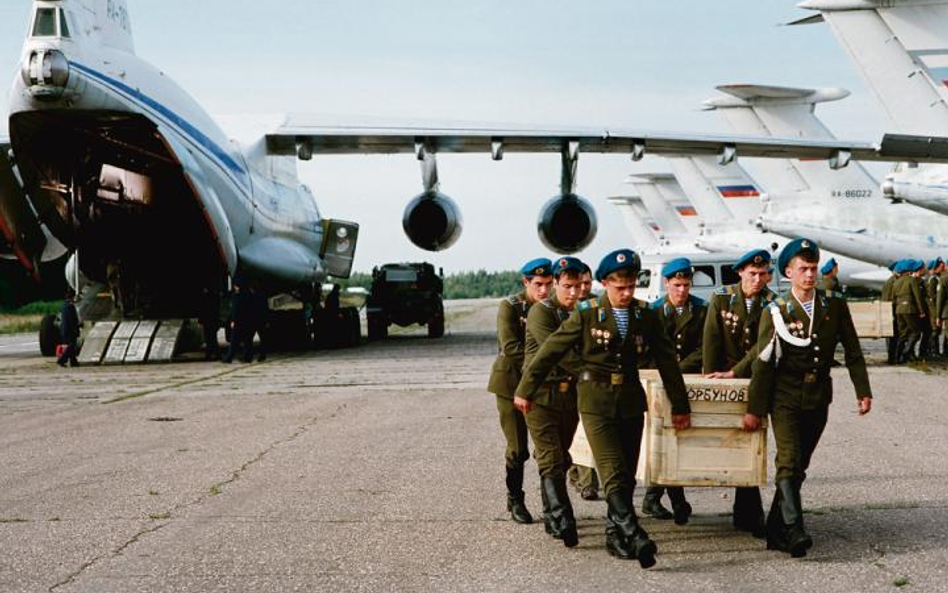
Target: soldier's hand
721,375
865,405
751,423
522,404
681,421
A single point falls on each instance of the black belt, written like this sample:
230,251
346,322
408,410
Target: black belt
610,378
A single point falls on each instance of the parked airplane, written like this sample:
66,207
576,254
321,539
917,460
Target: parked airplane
901,49
115,162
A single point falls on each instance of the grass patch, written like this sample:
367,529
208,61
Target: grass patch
13,520
153,492
901,582
216,489
159,516
890,506
54,519
12,324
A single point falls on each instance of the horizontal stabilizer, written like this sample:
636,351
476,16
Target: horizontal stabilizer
807,20
743,95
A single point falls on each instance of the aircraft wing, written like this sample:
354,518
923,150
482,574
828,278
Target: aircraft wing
305,140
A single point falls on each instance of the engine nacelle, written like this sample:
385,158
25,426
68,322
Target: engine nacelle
567,223
432,221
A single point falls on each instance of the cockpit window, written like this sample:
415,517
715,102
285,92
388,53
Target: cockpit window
44,25
63,27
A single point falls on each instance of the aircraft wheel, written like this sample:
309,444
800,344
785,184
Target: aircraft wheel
49,335
377,327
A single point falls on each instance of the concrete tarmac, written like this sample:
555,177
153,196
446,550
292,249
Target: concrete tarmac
381,469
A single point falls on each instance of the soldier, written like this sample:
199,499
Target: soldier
941,307
537,277
69,330
924,341
551,412
791,381
682,316
610,333
583,478
888,292
932,281
909,308
730,335
830,276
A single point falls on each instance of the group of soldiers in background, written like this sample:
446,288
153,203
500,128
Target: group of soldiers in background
565,356
249,313
919,297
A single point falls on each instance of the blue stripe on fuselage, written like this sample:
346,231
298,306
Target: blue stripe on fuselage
195,134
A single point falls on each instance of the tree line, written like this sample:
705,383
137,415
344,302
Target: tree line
459,285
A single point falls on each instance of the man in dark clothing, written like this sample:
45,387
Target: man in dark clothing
210,322
240,322
69,329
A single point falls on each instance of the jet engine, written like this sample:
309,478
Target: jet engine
432,221
567,223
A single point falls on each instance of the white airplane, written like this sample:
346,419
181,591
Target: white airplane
113,162
900,47
844,210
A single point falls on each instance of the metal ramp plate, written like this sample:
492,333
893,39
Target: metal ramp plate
96,342
166,340
141,340
115,354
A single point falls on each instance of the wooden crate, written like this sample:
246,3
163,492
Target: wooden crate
873,319
713,452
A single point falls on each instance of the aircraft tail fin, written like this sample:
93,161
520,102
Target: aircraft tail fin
643,229
899,49
730,187
662,198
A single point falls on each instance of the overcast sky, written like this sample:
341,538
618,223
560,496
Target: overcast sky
612,63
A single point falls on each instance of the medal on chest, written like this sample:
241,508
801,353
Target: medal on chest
603,337
732,321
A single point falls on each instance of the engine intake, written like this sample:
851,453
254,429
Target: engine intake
432,221
567,223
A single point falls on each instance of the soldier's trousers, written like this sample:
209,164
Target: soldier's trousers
584,477
615,442
796,433
552,432
909,330
515,431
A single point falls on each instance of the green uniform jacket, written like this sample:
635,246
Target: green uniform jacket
592,331
931,294
685,332
730,332
803,372
888,289
511,331
942,298
542,320
908,296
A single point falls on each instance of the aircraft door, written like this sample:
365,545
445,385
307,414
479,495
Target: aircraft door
338,248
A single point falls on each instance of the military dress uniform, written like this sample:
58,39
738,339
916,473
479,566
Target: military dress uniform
729,344
826,282
791,382
931,297
504,376
942,308
685,330
909,306
888,295
611,399
552,421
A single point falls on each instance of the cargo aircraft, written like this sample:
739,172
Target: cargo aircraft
110,161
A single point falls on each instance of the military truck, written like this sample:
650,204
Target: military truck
405,294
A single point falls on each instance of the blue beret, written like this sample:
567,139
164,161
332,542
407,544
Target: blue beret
894,265
757,257
828,266
565,264
902,266
618,260
537,267
795,248
935,263
917,265
678,266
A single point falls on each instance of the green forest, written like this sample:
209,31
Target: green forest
460,285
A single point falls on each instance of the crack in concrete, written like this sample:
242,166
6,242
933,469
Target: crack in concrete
214,490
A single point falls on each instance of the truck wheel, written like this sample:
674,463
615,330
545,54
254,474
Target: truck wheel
349,331
436,326
49,335
377,326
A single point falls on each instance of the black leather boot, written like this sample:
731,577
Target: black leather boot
518,510
562,521
616,544
680,506
547,525
749,512
776,530
652,504
792,510
622,514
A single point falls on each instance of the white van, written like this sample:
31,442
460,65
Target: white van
712,271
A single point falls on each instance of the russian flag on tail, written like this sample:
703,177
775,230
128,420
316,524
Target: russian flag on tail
738,191
686,210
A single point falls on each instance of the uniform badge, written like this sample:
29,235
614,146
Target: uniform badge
621,258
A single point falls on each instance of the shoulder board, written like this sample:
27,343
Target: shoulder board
514,299
724,290
698,301
658,304
781,302
832,294
768,295
548,303
587,304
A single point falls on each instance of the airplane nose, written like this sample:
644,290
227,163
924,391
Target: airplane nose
46,73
